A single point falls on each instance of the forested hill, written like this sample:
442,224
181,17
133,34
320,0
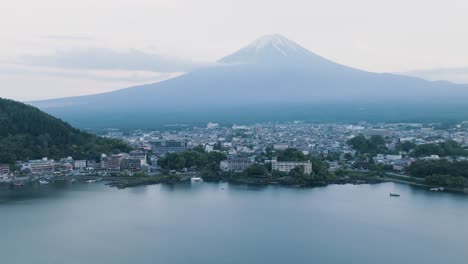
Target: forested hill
28,133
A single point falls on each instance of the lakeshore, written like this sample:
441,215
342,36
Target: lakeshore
122,182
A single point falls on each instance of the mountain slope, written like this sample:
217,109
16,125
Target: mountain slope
271,73
28,133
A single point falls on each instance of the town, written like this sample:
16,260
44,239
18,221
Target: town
359,147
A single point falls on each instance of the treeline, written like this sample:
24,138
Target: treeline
289,154
423,168
375,144
28,133
262,174
441,172
448,148
205,162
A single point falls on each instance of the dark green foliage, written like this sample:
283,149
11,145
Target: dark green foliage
446,181
439,167
348,156
376,144
289,154
196,158
405,146
380,167
448,148
257,170
319,166
28,133
148,157
333,156
297,172
210,171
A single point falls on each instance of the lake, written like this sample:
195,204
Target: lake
221,223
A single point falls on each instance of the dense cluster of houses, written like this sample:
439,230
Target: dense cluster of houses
134,161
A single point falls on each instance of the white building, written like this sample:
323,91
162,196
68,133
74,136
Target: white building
287,166
209,148
80,164
39,166
212,125
235,164
280,146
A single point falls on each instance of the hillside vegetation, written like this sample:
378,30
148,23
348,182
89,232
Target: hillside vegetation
28,133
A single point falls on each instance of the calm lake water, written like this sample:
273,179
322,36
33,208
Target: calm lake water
204,223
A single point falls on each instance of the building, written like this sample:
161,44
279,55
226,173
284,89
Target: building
139,154
40,166
130,164
112,162
287,166
235,164
258,130
165,146
79,164
92,165
4,169
386,159
402,164
280,146
104,160
209,148
212,125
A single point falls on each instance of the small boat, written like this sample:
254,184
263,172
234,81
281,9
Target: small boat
90,181
196,179
437,189
43,182
393,194
17,184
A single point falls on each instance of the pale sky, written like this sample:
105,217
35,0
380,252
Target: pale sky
55,48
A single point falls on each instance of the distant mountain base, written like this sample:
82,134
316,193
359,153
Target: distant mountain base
316,113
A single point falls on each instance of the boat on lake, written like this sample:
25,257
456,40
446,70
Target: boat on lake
17,184
438,189
394,194
90,181
43,182
196,179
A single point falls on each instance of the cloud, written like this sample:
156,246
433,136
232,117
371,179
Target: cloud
455,75
94,74
27,83
107,59
81,72
67,37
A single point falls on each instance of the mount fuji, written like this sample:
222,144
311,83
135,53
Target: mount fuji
271,79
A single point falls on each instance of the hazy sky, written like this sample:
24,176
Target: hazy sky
54,48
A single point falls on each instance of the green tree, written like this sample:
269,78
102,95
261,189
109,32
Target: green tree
256,170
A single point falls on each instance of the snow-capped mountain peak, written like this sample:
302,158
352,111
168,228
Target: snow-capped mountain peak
270,49
279,43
